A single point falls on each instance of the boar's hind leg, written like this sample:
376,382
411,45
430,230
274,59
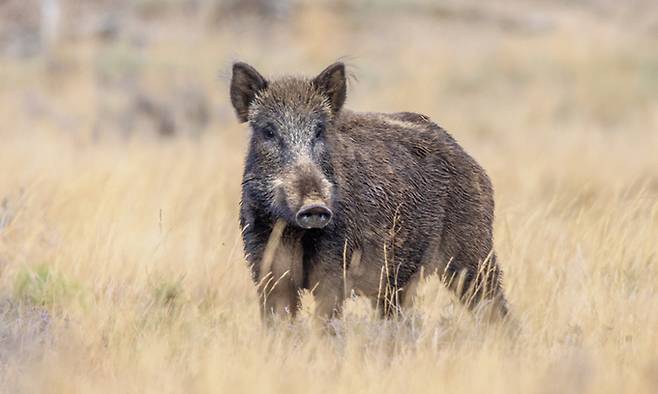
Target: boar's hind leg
478,285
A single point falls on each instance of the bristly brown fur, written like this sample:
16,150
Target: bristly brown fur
406,199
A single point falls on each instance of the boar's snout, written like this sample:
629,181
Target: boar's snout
313,216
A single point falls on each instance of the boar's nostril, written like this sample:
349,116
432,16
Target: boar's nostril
313,216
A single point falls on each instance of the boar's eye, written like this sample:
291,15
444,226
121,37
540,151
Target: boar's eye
269,131
319,130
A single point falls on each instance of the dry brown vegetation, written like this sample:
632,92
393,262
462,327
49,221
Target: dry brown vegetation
121,267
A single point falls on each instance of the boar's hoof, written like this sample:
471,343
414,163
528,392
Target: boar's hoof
313,216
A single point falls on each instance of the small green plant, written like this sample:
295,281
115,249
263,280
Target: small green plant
43,286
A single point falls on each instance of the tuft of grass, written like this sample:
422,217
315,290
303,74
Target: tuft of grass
168,293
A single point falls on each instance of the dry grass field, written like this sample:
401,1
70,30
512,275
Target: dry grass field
121,265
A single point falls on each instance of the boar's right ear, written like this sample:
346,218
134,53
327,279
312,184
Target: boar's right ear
333,84
246,82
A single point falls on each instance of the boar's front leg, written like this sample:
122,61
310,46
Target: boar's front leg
279,285
277,268
325,279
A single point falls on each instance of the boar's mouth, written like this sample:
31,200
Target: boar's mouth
313,216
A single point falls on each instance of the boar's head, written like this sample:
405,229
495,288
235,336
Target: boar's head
288,171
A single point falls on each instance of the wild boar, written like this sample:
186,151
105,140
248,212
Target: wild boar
337,202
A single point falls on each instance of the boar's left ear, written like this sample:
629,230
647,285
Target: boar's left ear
333,84
246,82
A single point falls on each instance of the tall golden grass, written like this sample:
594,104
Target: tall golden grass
121,265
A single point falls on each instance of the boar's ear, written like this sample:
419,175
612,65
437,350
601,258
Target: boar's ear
246,82
332,83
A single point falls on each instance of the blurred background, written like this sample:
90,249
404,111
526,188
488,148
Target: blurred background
103,69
